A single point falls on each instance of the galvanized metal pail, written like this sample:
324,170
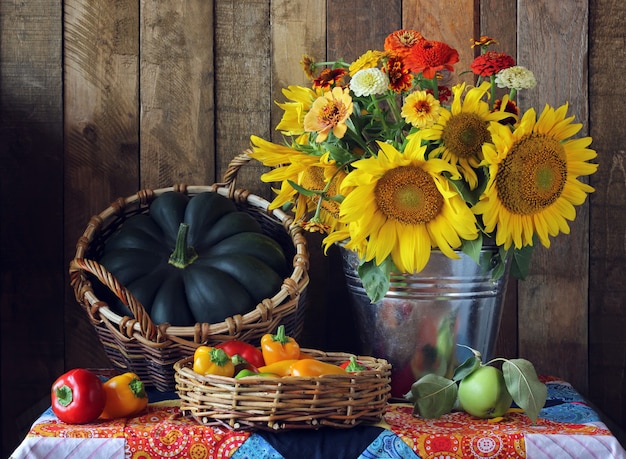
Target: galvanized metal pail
422,318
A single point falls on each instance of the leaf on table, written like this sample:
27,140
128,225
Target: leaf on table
522,382
433,396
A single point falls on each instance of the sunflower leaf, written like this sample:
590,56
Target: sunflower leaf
301,190
521,262
522,382
432,396
375,279
472,248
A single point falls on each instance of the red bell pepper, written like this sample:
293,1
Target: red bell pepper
247,351
353,365
78,397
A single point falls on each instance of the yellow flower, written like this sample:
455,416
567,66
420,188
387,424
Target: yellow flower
368,60
288,164
463,130
292,122
421,109
533,184
329,113
402,206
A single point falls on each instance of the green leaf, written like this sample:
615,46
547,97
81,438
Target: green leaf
522,382
375,279
302,191
521,262
463,370
472,248
432,396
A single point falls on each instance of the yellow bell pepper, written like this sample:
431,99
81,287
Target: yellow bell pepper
209,360
125,396
280,368
314,367
279,347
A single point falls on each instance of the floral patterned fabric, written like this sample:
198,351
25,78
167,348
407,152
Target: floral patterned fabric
567,428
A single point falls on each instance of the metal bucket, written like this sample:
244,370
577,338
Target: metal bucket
422,318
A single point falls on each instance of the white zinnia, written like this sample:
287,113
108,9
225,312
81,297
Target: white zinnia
516,77
366,82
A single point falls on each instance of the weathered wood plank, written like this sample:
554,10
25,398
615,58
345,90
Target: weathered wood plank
101,133
353,28
242,84
553,301
498,20
177,84
31,222
298,28
607,291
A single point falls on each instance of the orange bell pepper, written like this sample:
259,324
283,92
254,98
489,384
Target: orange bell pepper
209,360
125,396
279,347
314,367
280,368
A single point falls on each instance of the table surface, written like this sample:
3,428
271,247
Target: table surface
567,428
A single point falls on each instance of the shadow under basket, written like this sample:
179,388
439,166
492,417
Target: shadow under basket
150,350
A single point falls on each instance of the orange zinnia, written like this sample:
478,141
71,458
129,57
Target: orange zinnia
329,78
400,42
429,56
329,113
400,77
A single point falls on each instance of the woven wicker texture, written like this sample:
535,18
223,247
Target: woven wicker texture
150,350
290,402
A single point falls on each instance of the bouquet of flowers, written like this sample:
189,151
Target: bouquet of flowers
381,156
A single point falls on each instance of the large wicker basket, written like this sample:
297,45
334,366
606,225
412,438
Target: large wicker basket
277,404
150,350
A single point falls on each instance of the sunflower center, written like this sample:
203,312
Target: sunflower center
464,135
313,179
532,175
409,195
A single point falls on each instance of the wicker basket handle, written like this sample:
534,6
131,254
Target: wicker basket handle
147,328
230,176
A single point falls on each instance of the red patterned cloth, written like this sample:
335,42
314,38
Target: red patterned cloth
459,435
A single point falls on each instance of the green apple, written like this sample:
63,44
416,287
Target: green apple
483,393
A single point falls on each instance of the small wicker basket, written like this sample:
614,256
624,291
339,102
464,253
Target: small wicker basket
150,350
277,404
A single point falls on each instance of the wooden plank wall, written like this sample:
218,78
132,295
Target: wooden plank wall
98,99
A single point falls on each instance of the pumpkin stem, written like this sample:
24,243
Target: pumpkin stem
183,254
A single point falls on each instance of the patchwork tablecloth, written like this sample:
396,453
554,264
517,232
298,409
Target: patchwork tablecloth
567,428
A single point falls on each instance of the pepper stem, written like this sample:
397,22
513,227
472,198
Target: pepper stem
64,395
280,336
183,254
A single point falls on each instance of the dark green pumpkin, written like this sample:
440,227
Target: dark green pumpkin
194,259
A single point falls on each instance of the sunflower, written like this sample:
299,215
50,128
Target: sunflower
533,184
289,164
301,99
402,205
318,174
462,131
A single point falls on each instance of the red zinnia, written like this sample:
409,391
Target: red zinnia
429,56
400,42
490,63
400,78
511,107
444,93
329,78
